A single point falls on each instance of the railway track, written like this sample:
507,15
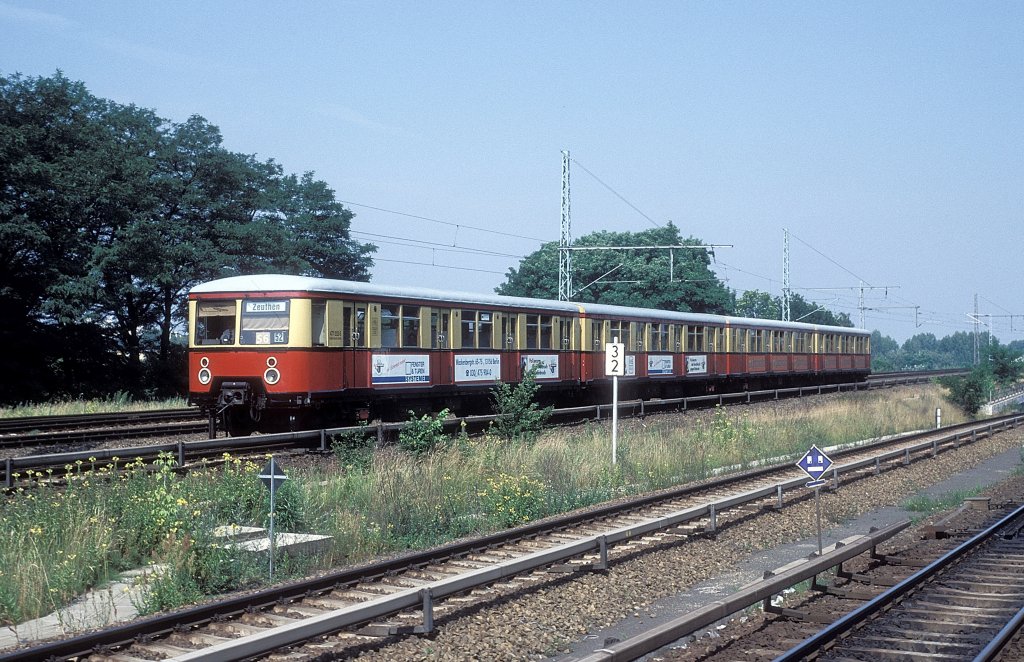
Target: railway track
61,431
964,605
370,606
56,430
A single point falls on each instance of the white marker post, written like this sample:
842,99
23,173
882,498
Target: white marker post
272,477
615,365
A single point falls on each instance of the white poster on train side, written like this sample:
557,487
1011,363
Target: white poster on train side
400,369
697,365
477,367
546,365
630,365
659,365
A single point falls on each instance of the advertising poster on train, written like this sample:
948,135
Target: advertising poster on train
697,365
477,367
659,365
630,365
400,369
546,365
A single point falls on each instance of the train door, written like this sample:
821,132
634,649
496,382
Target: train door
356,363
440,333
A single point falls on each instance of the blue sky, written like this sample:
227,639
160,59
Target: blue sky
888,137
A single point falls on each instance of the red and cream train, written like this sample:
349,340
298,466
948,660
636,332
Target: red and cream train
274,351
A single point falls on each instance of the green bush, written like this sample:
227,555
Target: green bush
424,433
519,416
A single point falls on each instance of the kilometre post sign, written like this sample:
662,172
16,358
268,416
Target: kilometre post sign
615,359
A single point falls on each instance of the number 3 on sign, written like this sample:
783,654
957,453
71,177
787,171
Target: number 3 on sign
614,359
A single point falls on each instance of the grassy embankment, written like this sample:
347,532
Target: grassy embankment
60,540
117,403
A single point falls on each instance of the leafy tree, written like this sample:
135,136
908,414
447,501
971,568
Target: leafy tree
810,312
968,392
758,304
647,278
884,353
762,305
109,214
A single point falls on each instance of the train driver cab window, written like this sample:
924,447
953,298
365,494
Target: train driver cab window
215,323
264,322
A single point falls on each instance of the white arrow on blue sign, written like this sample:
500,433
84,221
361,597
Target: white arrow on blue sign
814,463
273,475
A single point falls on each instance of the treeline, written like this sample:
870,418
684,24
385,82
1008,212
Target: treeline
110,213
925,351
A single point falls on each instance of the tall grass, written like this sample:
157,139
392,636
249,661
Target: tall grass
116,403
61,540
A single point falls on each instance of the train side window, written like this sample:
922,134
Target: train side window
318,325
485,330
410,326
469,329
678,336
695,339
215,323
620,330
532,330
390,319
546,332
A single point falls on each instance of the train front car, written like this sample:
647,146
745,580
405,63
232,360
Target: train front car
250,352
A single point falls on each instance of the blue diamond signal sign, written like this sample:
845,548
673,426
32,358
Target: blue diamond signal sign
814,463
273,475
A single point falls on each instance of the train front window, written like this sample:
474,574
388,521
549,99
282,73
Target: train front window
264,323
215,323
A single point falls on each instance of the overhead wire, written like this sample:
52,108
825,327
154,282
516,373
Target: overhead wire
618,195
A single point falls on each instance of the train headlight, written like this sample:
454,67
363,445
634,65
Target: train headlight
271,361
204,362
271,376
205,376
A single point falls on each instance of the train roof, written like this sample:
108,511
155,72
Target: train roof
286,283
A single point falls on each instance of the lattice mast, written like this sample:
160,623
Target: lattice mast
785,275
565,237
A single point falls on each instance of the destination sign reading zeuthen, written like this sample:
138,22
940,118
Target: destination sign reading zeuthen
266,306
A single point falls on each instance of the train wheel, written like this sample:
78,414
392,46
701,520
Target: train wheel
239,422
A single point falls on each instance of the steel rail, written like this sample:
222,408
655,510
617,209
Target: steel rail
774,583
831,633
29,423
